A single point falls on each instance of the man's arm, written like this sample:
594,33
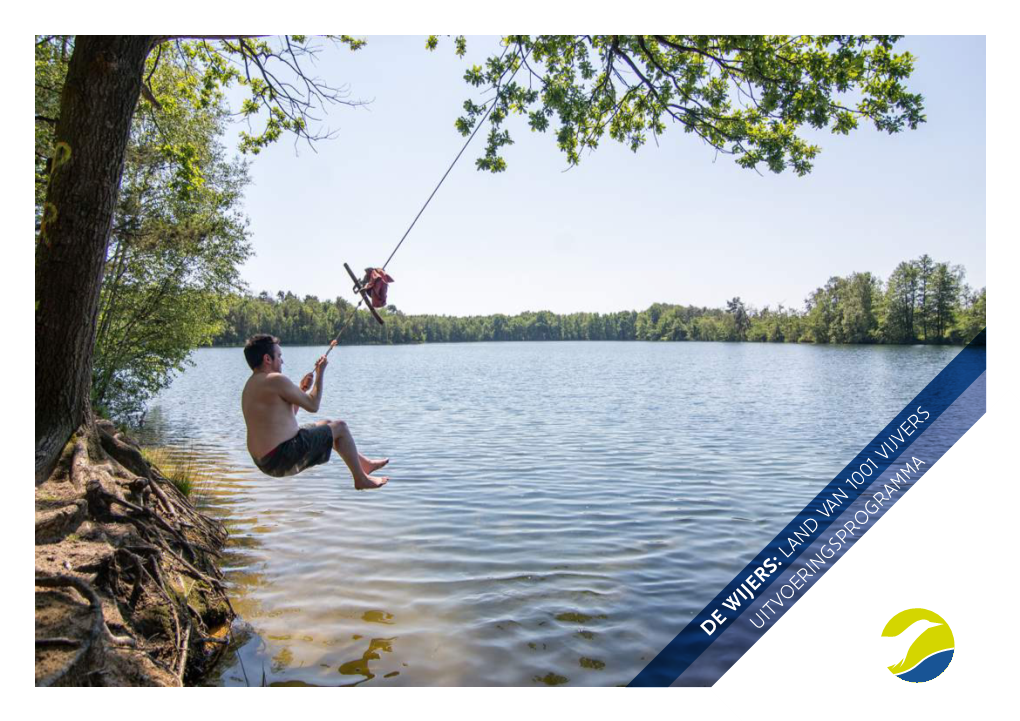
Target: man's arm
286,389
304,385
295,396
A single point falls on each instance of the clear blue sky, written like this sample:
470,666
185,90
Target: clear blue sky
621,231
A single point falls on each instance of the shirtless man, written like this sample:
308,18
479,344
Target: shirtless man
270,402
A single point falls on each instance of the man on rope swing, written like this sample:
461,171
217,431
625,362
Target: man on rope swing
270,402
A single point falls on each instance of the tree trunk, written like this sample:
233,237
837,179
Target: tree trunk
104,78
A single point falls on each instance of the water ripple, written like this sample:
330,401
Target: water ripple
557,511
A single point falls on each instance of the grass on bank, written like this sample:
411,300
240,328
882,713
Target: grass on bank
178,466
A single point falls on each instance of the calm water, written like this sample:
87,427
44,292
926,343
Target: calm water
556,513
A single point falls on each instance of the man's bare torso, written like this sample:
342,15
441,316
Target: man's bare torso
270,419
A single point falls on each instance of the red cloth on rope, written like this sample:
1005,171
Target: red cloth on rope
376,280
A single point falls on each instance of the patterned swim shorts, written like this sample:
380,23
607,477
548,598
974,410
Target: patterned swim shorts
311,446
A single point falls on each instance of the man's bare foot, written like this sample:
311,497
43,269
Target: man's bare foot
370,482
369,466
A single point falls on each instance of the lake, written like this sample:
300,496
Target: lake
557,512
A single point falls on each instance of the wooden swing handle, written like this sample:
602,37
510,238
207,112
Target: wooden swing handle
359,288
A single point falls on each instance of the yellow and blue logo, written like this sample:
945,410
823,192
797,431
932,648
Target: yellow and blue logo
919,644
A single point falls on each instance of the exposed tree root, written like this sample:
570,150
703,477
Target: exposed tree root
51,525
98,633
113,530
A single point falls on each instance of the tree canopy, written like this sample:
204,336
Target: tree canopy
749,96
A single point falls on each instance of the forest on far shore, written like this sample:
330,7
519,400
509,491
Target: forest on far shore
923,301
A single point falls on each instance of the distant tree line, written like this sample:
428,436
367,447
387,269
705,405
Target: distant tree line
922,302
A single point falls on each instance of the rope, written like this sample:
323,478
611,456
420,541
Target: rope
440,183
333,344
407,232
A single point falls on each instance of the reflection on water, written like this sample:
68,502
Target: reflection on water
557,511
359,667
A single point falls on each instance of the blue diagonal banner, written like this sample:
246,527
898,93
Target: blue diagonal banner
850,503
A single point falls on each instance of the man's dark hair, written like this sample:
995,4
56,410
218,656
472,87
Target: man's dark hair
257,347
